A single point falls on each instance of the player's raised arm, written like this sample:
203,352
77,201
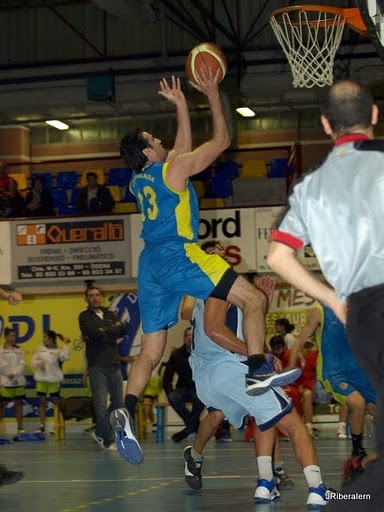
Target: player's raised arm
282,260
312,323
186,165
13,298
174,94
215,315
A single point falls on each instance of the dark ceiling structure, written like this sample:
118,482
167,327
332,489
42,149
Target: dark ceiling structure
51,49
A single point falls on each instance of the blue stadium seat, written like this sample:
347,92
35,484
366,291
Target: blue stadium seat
203,175
59,197
219,186
230,170
278,168
120,176
45,176
74,195
67,209
67,179
128,197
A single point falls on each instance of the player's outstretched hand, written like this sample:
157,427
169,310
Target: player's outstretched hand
267,285
173,92
209,83
14,298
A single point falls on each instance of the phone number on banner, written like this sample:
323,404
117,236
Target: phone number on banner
113,268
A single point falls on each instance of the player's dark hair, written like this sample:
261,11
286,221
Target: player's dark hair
52,335
90,288
209,244
277,341
37,179
347,105
309,345
91,174
14,182
288,327
131,150
8,330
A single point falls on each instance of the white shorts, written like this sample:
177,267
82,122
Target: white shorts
222,386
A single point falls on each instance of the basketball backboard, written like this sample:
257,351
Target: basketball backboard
372,12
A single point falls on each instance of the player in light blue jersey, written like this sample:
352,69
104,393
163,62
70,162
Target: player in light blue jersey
217,362
171,264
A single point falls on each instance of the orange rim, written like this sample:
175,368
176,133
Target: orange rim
352,16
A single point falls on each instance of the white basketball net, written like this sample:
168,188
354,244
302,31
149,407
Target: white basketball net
310,41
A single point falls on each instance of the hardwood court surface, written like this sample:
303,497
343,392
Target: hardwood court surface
76,475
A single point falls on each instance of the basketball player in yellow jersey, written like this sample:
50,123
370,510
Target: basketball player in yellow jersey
171,264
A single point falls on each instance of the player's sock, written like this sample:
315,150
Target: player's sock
264,464
196,456
255,361
357,442
312,475
130,403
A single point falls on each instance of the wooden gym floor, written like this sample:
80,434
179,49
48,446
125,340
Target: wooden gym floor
77,475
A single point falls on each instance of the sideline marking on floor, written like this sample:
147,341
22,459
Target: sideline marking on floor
122,496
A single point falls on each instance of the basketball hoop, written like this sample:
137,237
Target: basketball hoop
310,36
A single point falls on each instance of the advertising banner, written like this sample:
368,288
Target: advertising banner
291,304
308,258
267,218
243,232
70,249
235,229
36,315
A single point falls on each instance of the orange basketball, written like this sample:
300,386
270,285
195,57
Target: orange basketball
205,56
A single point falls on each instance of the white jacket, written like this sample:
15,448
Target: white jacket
51,357
12,361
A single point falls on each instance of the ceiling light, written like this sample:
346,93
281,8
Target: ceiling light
245,112
57,124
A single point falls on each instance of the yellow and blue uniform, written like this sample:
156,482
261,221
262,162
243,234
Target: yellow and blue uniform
171,264
337,367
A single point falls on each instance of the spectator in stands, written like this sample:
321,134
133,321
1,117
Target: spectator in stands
307,382
94,198
284,328
48,374
8,476
302,390
12,379
3,182
3,175
38,202
279,349
101,329
11,201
